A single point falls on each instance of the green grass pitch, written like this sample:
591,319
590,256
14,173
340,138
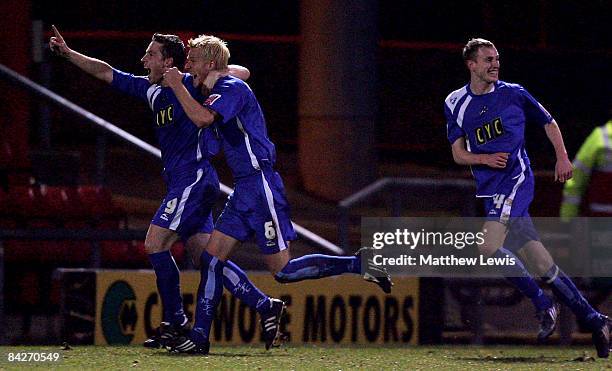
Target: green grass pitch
319,358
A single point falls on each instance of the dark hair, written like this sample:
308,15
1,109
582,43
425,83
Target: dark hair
471,48
172,47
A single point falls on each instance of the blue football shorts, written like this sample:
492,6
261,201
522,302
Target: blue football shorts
187,207
258,207
510,206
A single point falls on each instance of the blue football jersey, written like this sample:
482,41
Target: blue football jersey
246,145
183,145
494,122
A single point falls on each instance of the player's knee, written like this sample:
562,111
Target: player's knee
216,251
543,265
152,247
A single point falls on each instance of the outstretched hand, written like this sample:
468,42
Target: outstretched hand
57,44
172,77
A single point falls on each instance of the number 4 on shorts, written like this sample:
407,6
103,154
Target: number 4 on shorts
498,200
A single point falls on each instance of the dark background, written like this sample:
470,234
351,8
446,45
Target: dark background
559,50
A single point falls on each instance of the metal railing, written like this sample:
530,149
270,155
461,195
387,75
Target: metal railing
393,189
97,235
99,122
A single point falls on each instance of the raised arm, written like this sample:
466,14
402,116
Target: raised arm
464,157
95,67
200,115
563,167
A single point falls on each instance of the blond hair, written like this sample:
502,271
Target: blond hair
213,49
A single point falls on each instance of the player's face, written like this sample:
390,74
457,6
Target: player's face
154,62
486,66
198,66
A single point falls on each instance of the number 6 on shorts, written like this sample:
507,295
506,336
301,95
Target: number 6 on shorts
270,231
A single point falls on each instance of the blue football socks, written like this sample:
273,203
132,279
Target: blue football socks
317,266
168,286
237,282
521,279
565,290
209,295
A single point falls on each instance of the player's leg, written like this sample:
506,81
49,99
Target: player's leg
163,232
566,292
230,230
157,244
561,285
522,232
315,266
190,216
312,266
237,282
215,273
234,278
494,237
508,211
274,231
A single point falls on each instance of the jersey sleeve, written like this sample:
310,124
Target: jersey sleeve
453,130
227,99
534,111
136,86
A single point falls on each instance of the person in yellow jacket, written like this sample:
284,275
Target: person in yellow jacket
592,177
589,192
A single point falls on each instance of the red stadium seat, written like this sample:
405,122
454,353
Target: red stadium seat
137,255
97,199
24,201
123,254
62,203
19,178
98,203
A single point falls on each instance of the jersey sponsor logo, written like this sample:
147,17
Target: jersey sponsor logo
211,99
165,116
489,131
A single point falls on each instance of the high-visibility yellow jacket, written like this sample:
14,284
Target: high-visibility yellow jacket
591,185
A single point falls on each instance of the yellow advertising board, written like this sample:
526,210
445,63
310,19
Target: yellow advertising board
335,310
